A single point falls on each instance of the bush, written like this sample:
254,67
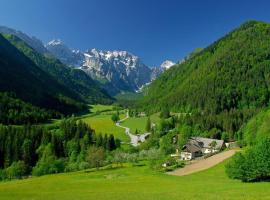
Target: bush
95,157
252,166
173,164
48,164
165,113
53,167
115,117
15,171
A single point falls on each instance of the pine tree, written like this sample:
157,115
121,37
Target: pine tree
148,125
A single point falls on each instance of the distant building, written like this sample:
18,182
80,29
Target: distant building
141,114
198,146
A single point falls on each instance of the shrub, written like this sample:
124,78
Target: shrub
252,166
16,170
95,157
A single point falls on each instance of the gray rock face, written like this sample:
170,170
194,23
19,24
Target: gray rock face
116,70
122,69
72,58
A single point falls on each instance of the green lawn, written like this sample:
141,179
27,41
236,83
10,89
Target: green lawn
103,124
134,183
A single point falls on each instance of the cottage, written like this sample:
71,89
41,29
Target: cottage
191,150
198,146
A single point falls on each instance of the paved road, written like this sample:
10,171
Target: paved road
204,164
134,139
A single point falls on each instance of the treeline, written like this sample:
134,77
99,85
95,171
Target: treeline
225,125
15,111
41,151
174,130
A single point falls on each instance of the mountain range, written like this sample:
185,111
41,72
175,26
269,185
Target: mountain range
116,71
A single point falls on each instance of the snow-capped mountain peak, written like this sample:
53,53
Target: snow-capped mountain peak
167,64
55,42
66,55
119,70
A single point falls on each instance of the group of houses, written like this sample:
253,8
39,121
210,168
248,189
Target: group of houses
199,146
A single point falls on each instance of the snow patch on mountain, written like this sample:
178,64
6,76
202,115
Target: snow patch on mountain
167,64
117,70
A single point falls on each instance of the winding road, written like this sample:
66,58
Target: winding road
134,139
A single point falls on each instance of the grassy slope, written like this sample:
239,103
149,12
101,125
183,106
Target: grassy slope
134,183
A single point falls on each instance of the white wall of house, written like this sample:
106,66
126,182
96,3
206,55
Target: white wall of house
209,150
186,155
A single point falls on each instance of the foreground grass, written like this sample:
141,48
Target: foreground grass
134,183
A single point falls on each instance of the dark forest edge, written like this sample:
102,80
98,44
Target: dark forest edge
38,150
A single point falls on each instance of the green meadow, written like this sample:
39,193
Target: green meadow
103,124
134,123
139,123
134,183
100,108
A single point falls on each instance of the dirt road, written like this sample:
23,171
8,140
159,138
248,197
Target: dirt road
200,165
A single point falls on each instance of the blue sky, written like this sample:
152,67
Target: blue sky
155,30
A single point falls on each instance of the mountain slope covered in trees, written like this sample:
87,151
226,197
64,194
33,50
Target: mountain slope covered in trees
75,79
232,73
19,75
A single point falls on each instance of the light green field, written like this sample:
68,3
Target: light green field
139,123
100,108
134,183
134,123
103,124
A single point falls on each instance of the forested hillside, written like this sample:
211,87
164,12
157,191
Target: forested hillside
231,73
75,79
15,111
19,75
222,85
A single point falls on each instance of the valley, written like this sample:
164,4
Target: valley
125,110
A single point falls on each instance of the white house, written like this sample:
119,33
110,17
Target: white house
198,146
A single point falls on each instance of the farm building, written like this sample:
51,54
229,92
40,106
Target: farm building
198,146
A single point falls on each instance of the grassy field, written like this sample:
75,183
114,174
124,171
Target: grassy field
103,124
139,123
134,123
100,108
134,183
